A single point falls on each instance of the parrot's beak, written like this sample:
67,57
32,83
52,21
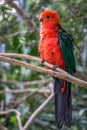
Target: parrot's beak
41,19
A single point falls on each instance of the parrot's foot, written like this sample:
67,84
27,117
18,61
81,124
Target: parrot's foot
42,61
54,67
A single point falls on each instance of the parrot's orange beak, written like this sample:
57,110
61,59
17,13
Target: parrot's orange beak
41,19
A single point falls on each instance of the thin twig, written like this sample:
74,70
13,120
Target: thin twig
17,115
59,74
2,127
45,91
2,105
32,93
37,111
32,90
26,83
15,34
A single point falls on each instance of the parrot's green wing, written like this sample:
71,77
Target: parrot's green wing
66,45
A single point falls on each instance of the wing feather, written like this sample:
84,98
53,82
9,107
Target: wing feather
67,48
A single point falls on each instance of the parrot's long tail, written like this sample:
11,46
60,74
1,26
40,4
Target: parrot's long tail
63,106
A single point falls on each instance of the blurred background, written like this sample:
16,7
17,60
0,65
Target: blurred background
19,36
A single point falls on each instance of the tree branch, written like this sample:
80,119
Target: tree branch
28,57
17,115
23,15
26,83
32,90
32,117
59,74
42,90
37,111
2,127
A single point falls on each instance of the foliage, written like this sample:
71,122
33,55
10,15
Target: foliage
17,37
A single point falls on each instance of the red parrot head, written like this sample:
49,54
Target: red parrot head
49,17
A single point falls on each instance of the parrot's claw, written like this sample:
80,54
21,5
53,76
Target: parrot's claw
54,67
42,61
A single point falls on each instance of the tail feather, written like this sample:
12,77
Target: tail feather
68,106
63,109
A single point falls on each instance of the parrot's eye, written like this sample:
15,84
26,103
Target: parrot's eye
48,16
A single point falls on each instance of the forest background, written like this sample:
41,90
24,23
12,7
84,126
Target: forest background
27,89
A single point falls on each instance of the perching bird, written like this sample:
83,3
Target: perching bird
56,47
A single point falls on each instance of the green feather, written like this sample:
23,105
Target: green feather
67,48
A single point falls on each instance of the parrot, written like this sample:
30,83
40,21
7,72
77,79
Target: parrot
56,47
